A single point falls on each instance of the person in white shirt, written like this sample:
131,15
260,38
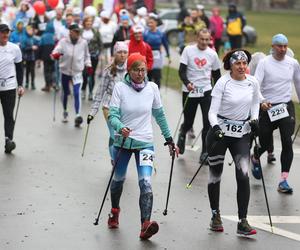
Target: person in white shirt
198,65
11,78
232,115
134,101
276,73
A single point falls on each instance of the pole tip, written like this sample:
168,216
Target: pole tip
165,212
188,186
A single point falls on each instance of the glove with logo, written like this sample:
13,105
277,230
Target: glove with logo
218,133
89,119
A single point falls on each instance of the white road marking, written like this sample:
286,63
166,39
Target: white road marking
262,222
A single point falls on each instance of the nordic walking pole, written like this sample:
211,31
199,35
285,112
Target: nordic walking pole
256,155
177,126
17,109
85,139
109,182
170,180
295,136
189,185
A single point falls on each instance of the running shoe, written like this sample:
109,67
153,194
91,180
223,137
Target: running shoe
284,187
149,228
271,158
78,121
113,218
244,228
65,117
256,168
216,223
10,145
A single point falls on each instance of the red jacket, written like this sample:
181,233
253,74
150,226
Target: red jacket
142,47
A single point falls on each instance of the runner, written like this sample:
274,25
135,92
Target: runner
156,39
93,38
111,75
133,102
73,54
276,73
198,64
234,97
11,78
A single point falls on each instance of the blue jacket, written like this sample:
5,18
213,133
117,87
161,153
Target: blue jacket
47,42
28,53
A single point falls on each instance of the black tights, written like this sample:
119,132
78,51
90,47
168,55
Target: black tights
240,151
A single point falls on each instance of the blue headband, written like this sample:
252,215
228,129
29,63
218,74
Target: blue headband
279,39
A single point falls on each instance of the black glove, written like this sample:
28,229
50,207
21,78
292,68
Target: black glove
254,127
169,142
218,133
89,119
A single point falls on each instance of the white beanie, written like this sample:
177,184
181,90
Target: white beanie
142,11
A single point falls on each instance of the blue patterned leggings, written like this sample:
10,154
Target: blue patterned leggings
144,170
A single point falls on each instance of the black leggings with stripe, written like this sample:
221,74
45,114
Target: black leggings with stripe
240,151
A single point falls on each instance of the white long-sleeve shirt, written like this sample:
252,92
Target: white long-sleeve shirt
234,100
74,56
276,77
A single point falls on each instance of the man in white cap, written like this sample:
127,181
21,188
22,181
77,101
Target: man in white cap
276,73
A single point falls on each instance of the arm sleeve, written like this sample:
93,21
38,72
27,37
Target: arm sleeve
87,57
165,44
216,74
114,115
215,105
161,120
255,102
58,48
19,73
99,94
259,72
296,78
182,74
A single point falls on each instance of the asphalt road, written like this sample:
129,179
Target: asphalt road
50,195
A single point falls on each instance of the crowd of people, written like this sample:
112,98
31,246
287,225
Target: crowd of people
130,49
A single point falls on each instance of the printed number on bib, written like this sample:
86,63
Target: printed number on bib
278,112
77,79
197,92
146,158
233,128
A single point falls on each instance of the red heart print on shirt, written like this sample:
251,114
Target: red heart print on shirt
200,62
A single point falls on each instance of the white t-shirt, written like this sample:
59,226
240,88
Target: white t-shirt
276,77
60,30
199,63
9,55
234,100
107,31
136,108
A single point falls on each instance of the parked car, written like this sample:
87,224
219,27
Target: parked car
170,27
